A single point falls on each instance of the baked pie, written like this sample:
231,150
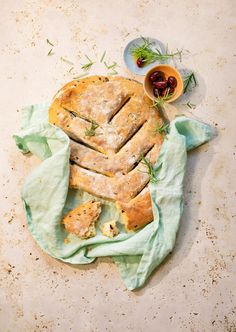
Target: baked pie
111,124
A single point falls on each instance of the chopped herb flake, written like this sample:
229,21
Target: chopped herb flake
103,56
50,53
49,42
87,66
110,66
190,105
91,131
113,72
67,61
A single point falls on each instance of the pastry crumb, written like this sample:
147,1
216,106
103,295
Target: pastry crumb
110,229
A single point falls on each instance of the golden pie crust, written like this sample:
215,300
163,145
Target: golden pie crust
81,220
106,162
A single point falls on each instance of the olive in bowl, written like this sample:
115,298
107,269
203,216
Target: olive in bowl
163,80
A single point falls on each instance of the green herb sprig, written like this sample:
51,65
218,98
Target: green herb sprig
150,169
160,100
148,55
91,131
87,66
190,81
163,129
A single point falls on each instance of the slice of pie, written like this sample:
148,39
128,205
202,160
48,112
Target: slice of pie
81,221
111,124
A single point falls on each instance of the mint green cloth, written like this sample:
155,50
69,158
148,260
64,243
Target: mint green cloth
47,199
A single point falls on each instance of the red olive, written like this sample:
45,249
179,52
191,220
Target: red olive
162,92
156,76
158,79
161,84
172,81
140,62
171,90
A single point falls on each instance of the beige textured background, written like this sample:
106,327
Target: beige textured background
194,290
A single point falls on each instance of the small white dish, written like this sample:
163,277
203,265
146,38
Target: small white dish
130,61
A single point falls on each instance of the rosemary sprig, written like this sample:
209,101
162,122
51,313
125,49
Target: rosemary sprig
91,131
103,56
150,169
167,55
160,100
190,81
148,55
87,66
66,60
50,53
49,42
163,129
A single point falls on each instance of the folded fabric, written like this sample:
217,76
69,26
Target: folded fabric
47,198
